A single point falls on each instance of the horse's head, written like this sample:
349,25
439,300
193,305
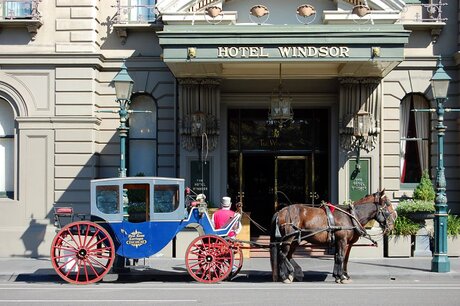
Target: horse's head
386,214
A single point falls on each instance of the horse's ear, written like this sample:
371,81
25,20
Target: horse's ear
382,192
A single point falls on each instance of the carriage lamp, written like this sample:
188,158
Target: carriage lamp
198,124
123,84
362,128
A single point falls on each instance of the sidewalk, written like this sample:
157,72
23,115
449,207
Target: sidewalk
256,269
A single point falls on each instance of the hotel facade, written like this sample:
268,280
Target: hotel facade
268,102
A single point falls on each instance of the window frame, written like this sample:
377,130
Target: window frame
133,139
407,99
10,194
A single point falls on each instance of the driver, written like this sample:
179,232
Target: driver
224,216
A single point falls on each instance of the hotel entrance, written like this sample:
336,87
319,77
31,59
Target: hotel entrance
271,167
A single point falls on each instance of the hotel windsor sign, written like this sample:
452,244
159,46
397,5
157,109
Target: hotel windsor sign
285,52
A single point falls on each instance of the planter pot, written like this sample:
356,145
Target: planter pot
453,246
213,11
306,10
420,216
398,246
259,11
361,10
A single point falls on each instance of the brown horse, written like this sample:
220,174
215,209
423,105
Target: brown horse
342,228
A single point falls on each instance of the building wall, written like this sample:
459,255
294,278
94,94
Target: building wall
58,80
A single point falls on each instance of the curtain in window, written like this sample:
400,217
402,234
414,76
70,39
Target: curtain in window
422,127
6,147
404,127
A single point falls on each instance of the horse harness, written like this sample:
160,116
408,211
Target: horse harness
331,226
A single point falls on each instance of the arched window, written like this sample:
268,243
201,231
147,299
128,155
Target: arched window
6,149
143,136
415,138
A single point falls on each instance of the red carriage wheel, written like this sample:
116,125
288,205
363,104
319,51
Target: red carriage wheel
237,259
82,252
209,259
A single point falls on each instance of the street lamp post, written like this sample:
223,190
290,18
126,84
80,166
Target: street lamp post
439,85
123,89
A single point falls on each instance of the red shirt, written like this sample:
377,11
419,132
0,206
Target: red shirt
222,217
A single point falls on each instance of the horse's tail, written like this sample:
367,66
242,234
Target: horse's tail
274,247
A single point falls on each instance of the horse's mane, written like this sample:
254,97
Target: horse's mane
370,198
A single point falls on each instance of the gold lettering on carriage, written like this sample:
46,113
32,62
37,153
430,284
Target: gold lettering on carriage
136,239
284,52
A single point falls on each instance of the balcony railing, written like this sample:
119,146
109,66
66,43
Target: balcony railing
19,9
135,12
20,13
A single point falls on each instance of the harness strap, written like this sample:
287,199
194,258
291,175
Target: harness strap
330,225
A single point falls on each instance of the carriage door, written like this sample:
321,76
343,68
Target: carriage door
294,180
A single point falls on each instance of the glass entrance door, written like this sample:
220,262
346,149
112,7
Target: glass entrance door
261,167
293,180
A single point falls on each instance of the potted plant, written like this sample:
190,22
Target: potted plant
453,235
420,209
399,241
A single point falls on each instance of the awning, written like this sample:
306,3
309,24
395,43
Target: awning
254,51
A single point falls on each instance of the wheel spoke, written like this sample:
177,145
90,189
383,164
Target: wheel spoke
91,253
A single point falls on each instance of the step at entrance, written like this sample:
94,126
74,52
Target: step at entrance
304,250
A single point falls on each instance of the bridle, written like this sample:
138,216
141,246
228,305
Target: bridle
383,215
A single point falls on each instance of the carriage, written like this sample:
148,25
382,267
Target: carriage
136,217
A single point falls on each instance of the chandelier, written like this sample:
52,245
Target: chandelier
280,113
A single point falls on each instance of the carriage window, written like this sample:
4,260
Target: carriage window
137,202
107,198
166,198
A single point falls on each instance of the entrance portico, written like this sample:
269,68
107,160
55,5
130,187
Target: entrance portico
223,70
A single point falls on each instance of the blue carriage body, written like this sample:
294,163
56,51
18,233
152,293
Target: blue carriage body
143,214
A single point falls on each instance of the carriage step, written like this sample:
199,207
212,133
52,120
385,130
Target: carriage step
304,250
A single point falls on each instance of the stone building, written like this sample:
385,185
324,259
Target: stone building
257,100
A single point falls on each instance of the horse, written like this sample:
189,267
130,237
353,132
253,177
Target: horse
340,228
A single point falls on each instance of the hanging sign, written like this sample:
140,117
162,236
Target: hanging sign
200,177
359,179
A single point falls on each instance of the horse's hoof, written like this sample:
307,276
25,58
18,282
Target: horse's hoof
346,281
289,279
338,281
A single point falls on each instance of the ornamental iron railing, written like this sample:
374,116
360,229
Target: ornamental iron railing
135,11
19,9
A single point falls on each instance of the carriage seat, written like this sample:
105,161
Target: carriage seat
62,214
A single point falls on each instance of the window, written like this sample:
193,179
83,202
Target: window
107,199
415,133
142,11
165,198
15,9
6,149
143,137
138,196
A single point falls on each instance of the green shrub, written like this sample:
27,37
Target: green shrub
406,207
453,225
425,190
404,227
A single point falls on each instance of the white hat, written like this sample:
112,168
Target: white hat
200,197
226,202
